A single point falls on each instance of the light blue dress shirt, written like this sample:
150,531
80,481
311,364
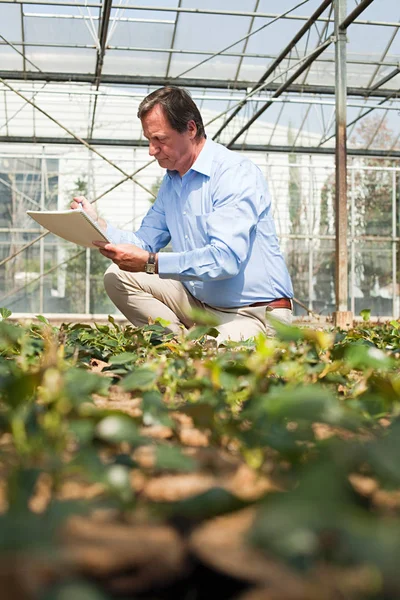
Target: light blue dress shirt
218,218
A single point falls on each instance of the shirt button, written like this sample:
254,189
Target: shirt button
192,284
186,237
184,212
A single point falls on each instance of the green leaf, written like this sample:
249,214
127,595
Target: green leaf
118,428
4,313
203,414
163,322
140,379
82,429
43,319
201,330
81,384
285,332
359,356
152,402
365,314
311,403
123,358
113,322
171,458
21,485
211,503
203,317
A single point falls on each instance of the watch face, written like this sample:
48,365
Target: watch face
150,268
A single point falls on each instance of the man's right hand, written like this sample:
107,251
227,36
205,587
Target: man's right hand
82,202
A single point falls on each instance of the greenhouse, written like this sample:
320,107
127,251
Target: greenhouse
268,84
177,420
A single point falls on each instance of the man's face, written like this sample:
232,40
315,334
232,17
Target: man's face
171,149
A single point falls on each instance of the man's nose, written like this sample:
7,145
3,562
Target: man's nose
153,149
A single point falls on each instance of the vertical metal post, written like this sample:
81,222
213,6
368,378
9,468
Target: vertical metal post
342,316
395,309
41,242
352,240
310,234
87,282
88,254
134,199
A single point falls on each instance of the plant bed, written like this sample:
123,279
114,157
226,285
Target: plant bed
136,464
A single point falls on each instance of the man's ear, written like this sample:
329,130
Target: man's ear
192,129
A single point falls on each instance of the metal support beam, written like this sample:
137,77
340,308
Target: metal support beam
283,88
342,26
173,40
23,38
76,137
376,70
181,52
103,31
200,11
388,77
354,14
244,49
394,94
342,316
132,143
216,84
277,61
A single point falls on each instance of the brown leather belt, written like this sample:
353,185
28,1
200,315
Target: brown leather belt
278,303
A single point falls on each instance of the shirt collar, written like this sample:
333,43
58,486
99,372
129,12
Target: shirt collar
203,162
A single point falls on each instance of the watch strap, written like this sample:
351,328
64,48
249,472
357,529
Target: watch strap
150,266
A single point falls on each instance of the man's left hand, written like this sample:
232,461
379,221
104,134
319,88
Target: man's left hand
127,256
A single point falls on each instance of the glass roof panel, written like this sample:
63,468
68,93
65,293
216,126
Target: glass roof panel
62,60
266,6
126,10
10,60
323,73
394,50
151,4
198,36
272,38
10,15
56,29
384,10
72,111
393,84
376,35
116,117
141,35
219,67
221,31
19,116
253,68
126,62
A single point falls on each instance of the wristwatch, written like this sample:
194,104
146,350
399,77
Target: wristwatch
150,266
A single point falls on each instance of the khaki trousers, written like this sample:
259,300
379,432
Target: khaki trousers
141,297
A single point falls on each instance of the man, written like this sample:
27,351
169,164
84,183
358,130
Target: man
215,208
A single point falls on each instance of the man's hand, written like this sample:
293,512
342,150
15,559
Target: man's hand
127,256
82,202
